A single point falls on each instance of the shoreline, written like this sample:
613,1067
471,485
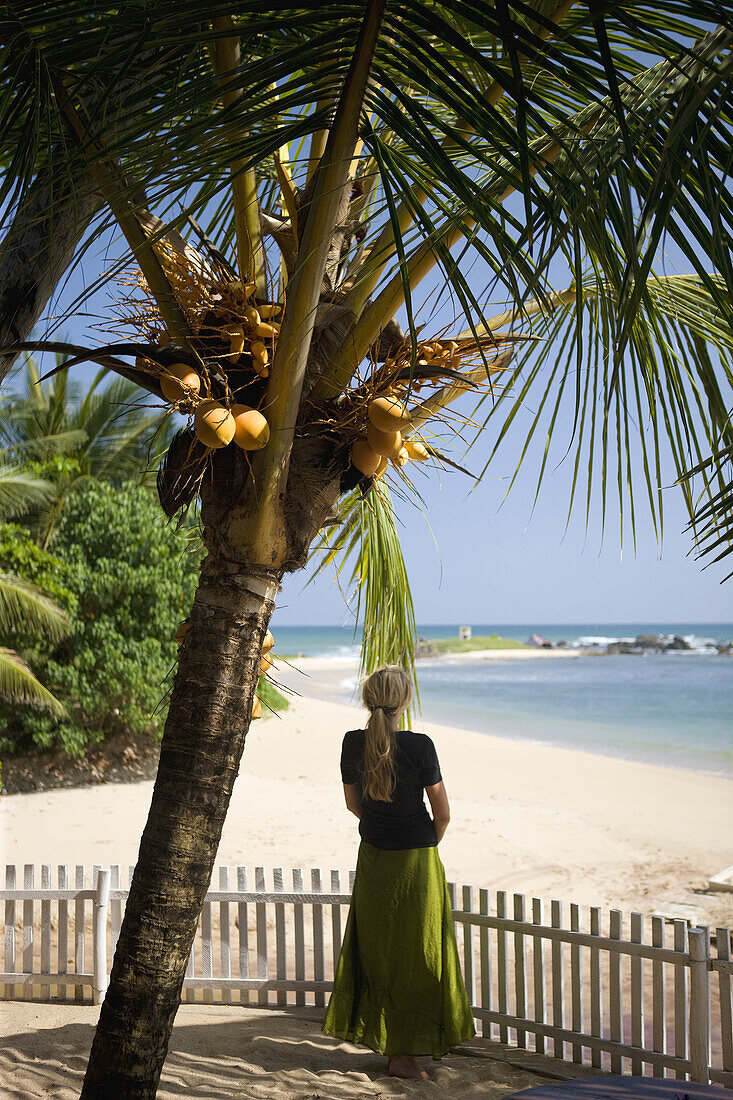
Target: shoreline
325,678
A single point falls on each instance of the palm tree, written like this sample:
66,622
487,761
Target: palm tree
23,606
104,433
336,156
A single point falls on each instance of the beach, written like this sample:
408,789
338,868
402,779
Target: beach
527,818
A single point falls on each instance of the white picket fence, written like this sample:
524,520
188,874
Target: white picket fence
643,996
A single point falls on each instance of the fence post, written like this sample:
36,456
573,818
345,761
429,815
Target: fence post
99,941
699,1004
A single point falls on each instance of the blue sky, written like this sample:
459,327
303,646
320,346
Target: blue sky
472,558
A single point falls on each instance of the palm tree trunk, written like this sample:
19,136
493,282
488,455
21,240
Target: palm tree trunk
202,746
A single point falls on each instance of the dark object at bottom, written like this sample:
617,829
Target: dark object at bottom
624,1088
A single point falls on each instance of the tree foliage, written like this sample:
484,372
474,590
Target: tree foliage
128,580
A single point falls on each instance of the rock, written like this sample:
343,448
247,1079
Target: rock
649,641
539,642
678,643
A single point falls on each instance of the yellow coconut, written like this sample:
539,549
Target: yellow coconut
266,663
236,342
268,642
387,414
417,451
259,351
252,316
179,381
388,444
214,424
267,330
402,458
364,458
251,430
256,708
260,358
182,631
383,464
269,309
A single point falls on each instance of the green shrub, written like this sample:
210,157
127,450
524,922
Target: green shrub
131,579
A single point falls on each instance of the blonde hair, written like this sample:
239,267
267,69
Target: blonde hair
386,692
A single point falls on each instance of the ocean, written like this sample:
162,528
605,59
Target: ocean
673,709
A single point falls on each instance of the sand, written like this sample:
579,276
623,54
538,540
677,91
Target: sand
222,1052
526,818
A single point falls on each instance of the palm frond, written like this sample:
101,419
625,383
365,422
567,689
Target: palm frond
367,540
670,396
24,607
20,491
19,685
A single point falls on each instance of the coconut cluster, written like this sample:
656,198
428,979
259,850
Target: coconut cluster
235,337
384,442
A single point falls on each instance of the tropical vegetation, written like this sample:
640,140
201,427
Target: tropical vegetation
319,202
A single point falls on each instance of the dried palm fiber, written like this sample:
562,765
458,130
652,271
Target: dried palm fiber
182,631
268,642
388,444
214,424
387,414
180,473
256,708
364,458
251,430
179,381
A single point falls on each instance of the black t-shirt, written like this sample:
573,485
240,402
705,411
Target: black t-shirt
404,822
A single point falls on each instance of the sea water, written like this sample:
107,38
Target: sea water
673,708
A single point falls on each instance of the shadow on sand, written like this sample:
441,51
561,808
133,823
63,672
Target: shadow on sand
220,1052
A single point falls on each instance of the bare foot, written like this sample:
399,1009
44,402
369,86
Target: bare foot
404,1065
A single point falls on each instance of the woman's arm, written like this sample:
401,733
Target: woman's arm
441,809
353,798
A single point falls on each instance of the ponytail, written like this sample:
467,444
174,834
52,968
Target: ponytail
385,693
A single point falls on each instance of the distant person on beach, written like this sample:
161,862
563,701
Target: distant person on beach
398,987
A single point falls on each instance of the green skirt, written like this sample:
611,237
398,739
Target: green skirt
398,987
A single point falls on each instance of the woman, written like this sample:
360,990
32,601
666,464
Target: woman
398,987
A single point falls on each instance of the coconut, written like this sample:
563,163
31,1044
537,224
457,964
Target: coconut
364,458
182,631
267,330
259,351
383,464
252,316
179,381
268,642
388,444
265,663
401,458
387,414
214,424
256,708
251,430
269,309
260,358
236,342
417,451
